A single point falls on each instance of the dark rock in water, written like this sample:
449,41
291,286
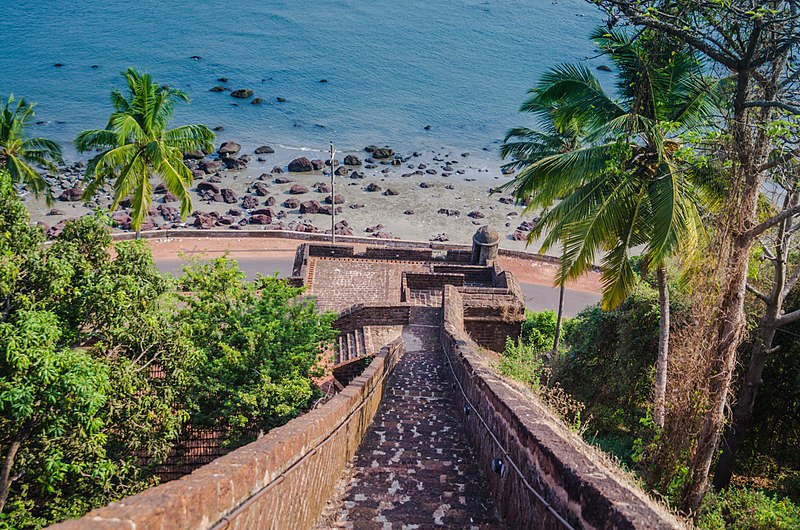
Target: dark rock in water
242,93
449,168
427,127
448,212
264,150
264,176
283,180
218,128
507,171
228,196
260,219
170,197
300,165
215,178
449,187
257,101
370,148
195,57
396,162
94,66
506,200
352,160
210,166
342,171
317,164
604,68
356,206
338,199
277,169
233,163
204,221
194,155
409,212
260,189
328,163
229,148
298,189
310,207
160,189
223,79
476,214
217,89
430,171
291,204
422,166
58,65
357,175
280,100
323,80
382,152
372,187
270,201
55,211
207,186
71,195
440,237
390,191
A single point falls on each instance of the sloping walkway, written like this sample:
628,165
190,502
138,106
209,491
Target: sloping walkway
414,469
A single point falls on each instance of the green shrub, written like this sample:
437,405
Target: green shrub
539,330
744,509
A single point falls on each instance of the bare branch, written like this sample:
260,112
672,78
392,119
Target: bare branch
769,223
761,296
794,109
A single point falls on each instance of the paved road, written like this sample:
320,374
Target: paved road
537,297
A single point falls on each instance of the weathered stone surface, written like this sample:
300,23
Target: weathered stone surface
291,204
249,202
448,212
229,148
264,150
300,165
260,189
310,207
382,153
260,219
298,189
71,195
210,166
338,199
242,93
372,187
204,221
352,160
228,196
208,187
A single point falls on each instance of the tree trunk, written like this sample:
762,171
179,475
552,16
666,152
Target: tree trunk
660,394
557,340
743,412
8,465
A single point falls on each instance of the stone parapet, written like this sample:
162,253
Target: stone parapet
541,474
281,480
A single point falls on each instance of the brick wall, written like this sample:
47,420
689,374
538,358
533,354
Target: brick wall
282,480
431,280
367,314
406,254
569,475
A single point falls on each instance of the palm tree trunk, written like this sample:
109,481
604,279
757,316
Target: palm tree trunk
557,340
660,394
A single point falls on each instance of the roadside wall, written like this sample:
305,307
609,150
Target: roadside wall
569,475
280,481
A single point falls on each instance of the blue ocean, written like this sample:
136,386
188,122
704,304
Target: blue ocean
411,74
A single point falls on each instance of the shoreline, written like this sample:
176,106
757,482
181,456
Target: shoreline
429,195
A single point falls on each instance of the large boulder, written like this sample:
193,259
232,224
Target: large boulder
352,160
260,219
228,196
170,197
160,189
264,150
194,155
317,164
382,152
233,163
204,221
372,187
121,219
249,202
291,204
310,207
298,189
71,195
261,189
169,213
210,166
338,199
229,148
208,187
300,165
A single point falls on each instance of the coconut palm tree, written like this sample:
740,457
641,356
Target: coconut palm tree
137,146
18,154
621,184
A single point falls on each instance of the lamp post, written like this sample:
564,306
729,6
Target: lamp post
333,199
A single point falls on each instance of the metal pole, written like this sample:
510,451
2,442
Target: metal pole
333,200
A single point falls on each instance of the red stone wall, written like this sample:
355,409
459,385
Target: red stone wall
282,480
567,473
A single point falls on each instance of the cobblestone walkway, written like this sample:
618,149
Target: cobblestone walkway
414,469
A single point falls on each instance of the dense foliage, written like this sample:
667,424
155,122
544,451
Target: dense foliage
103,365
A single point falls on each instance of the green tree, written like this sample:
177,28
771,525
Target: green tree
258,348
137,146
755,43
621,184
18,153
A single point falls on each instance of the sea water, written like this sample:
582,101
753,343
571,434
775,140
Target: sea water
408,73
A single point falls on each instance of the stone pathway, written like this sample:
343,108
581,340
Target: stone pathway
414,469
